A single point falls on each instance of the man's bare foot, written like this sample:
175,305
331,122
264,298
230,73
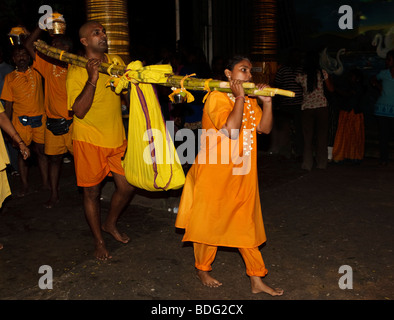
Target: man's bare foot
1,246
121,237
22,192
101,252
259,286
51,203
207,280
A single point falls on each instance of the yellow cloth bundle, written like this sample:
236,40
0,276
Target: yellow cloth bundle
151,161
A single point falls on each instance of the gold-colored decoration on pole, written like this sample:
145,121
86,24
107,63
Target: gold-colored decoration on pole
112,14
159,74
264,41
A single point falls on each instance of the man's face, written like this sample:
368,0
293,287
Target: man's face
21,58
95,38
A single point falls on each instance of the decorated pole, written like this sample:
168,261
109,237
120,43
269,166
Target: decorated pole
158,74
113,16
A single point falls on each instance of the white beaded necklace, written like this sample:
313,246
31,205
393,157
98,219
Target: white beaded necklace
63,70
248,118
29,80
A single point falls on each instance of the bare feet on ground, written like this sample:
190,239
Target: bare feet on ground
101,252
51,203
121,237
259,286
207,280
22,192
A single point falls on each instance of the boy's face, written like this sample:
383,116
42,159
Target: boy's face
241,71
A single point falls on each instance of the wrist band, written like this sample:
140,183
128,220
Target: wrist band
240,97
91,83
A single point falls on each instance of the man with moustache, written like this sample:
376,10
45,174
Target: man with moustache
99,139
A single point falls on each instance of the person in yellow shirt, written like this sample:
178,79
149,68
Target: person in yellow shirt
99,139
8,128
58,129
24,103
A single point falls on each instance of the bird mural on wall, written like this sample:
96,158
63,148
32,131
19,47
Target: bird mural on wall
330,64
384,45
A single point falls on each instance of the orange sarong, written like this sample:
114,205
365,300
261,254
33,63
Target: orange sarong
350,137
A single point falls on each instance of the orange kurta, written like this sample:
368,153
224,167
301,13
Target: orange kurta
220,203
24,89
55,88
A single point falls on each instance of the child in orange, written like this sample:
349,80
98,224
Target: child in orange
220,204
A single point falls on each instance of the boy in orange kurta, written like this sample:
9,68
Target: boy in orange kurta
220,204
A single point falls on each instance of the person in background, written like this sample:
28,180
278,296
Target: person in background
288,116
349,140
5,69
314,111
384,106
58,130
8,128
24,104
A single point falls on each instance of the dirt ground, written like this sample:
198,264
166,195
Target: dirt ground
315,222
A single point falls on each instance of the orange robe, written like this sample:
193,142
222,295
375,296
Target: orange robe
220,203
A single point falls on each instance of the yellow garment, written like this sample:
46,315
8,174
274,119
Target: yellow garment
151,161
5,190
102,126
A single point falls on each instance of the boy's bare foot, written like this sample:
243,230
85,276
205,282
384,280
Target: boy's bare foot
259,286
121,237
101,252
207,280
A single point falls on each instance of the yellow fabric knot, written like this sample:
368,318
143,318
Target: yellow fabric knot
135,72
115,62
182,91
206,88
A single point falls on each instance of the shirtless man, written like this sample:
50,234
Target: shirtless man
99,140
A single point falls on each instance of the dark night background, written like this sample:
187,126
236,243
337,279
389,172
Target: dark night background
302,23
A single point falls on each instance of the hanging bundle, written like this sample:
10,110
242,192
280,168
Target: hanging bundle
151,161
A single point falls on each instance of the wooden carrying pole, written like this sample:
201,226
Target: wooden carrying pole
172,80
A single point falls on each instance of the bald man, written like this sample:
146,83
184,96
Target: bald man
99,139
